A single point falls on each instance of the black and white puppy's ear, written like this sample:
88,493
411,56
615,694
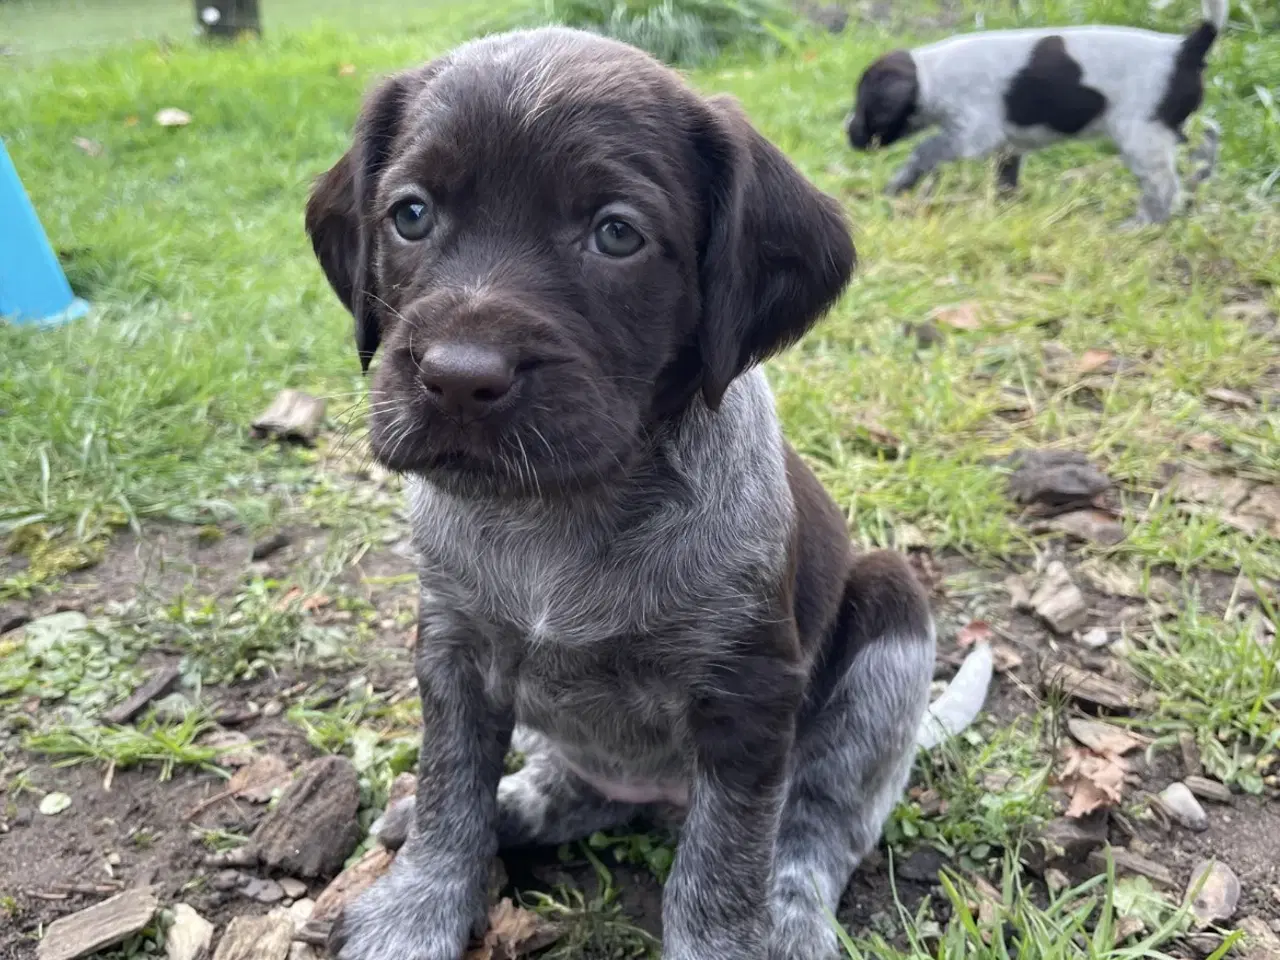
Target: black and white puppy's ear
888,95
777,252
338,219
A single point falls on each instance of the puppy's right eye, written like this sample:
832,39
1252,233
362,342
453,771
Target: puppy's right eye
412,219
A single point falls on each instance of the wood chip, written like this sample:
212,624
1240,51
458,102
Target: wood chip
1190,754
1058,601
256,938
157,685
1094,688
1192,485
189,937
258,781
1088,526
313,829
513,932
1127,862
1207,789
1104,737
349,884
293,415
102,925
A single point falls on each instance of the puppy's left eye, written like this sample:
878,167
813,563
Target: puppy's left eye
412,219
614,237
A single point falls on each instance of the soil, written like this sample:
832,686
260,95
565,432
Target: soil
137,830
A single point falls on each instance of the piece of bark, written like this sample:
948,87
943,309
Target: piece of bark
1128,862
102,925
293,415
1058,601
314,829
157,685
1094,688
1055,478
1207,789
256,938
349,884
1090,526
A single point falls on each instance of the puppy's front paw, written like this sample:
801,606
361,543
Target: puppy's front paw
802,931
410,914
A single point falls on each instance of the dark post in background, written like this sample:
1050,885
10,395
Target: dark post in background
227,19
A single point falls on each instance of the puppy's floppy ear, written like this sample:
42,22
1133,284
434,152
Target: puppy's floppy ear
887,96
338,220
777,252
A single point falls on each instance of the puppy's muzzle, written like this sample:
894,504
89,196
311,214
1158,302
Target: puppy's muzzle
855,128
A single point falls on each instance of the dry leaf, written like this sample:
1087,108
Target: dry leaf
961,317
1092,780
257,781
974,632
513,932
1232,398
1204,443
130,121
1045,279
1093,360
877,435
1005,658
315,602
92,147
236,749
172,117
1192,485
347,70
1104,738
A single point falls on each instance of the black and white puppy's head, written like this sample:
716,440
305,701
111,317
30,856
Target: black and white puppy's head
556,244
885,107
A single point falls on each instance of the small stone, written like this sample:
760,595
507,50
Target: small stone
190,935
1219,895
1058,601
1095,638
53,804
293,889
256,938
227,880
1180,803
264,891
272,709
300,912
1207,789
1263,942
1069,840
1089,526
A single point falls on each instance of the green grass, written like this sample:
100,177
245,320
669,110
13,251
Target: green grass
207,300
168,746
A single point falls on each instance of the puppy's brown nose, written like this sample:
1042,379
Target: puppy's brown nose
467,378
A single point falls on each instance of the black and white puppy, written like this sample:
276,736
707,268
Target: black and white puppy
572,265
1013,91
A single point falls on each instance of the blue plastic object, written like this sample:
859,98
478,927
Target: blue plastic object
33,288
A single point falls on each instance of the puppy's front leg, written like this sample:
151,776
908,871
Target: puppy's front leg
716,905
433,898
939,148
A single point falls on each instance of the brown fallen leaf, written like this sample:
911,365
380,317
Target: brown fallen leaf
1092,780
513,932
1005,658
1104,738
1204,443
1231,398
350,883
974,631
236,749
962,316
1093,360
172,117
257,781
130,121
877,436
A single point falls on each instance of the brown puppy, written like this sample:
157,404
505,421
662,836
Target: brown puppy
572,264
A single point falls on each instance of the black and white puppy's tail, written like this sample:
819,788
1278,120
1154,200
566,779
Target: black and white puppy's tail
1213,17
961,702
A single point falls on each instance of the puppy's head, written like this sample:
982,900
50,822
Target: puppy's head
886,102
556,244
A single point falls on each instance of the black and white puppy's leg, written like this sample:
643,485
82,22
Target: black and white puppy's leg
1150,152
545,802
1008,167
434,897
742,723
853,753
938,149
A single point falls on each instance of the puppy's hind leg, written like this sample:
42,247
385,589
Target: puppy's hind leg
853,752
1150,152
1008,166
